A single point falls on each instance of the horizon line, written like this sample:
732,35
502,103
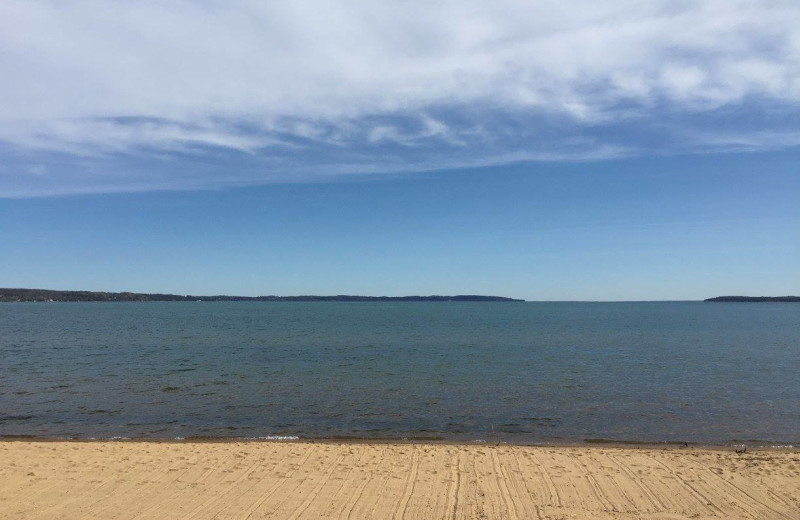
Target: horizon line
463,297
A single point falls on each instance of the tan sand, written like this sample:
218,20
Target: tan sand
136,480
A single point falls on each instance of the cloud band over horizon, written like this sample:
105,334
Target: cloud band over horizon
115,96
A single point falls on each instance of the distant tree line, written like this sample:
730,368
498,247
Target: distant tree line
754,299
45,295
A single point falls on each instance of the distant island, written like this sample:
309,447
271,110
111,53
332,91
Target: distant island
794,299
44,295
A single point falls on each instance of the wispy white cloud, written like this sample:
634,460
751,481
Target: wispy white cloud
304,85
744,141
97,137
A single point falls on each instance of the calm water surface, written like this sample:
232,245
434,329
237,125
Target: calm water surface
517,372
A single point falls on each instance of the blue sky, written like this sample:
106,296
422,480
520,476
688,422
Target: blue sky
682,227
544,150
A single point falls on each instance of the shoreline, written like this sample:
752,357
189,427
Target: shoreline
364,480
752,444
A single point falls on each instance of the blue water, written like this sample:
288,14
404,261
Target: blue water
515,372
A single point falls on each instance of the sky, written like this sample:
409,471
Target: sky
548,150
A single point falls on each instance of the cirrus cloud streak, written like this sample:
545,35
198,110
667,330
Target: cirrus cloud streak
304,88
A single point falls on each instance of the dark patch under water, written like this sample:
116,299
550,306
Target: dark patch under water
517,372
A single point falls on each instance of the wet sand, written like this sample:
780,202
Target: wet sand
250,480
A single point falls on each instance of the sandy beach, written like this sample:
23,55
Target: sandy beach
188,480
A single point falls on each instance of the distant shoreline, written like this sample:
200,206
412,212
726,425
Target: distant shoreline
20,295
755,299
47,295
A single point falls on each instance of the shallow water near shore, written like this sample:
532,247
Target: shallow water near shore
712,373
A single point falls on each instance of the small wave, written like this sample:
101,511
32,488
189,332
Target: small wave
102,412
4,418
766,445
276,438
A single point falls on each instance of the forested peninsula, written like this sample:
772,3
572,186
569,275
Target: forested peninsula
754,299
45,295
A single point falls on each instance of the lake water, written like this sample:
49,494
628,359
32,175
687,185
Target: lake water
517,372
